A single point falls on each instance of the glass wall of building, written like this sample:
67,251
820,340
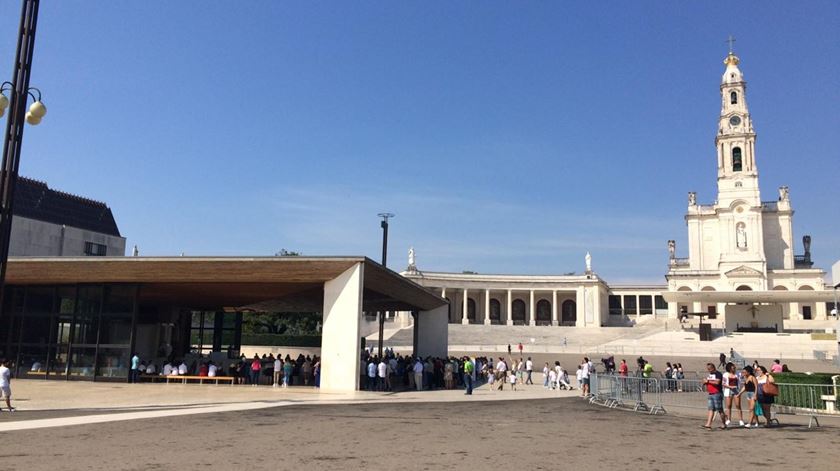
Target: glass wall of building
81,332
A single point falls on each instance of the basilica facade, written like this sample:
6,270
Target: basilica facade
741,269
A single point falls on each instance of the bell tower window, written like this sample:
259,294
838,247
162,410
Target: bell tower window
736,159
733,98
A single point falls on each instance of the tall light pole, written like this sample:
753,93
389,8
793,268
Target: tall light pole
384,225
20,91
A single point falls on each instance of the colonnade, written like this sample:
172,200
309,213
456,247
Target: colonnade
567,306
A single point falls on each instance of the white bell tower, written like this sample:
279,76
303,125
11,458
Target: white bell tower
735,142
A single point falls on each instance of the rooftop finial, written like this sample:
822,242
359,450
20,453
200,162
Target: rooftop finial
731,58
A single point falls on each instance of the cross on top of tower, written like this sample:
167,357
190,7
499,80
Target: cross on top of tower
731,41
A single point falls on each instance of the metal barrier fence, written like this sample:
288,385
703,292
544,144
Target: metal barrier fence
656,395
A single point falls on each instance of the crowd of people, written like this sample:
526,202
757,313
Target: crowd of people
266,369
393,372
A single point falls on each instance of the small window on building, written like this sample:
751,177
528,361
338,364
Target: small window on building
96,250
736,159
733,98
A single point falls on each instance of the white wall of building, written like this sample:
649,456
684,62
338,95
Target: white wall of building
31,237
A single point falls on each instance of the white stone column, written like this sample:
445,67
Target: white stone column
600,313
638,309
794,311
554,307
533,316
465,307
433,332
340,334
821,314
580,306
487,307
696,307
509,308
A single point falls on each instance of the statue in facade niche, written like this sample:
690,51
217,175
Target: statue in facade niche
741,237
672,249
692,198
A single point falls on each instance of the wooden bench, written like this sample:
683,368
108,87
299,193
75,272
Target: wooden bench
201,379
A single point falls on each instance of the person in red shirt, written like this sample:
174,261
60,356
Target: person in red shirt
714,386
520,348
622,368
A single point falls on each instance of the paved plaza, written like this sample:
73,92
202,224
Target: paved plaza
159,426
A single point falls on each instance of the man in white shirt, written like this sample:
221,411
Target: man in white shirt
167,369
418,374
501,368
529,368
278,371
212,369
6,384
182,368
381,374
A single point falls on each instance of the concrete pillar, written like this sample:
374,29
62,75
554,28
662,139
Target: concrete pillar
340,334
531,314
554,307
820,311
465,308
600,312
580,305
696,307
433,333
509,308
487,307
794,311
638,309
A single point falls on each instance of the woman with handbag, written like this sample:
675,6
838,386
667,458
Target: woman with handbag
767,392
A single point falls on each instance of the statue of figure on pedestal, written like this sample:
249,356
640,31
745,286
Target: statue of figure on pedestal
784,193
692,198
672,249
411,262
588,263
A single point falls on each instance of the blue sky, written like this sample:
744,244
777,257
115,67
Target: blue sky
508,137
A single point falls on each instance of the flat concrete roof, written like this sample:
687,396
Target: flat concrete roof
228,281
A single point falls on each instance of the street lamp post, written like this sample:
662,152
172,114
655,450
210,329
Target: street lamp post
19,91
384,225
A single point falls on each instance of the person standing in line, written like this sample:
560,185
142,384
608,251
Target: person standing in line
418,373
381,375
529,369
730,393
278,371
134,374
722,359
714,386
256,365
6,384
468,378
371,375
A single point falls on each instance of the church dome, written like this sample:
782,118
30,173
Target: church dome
733,73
